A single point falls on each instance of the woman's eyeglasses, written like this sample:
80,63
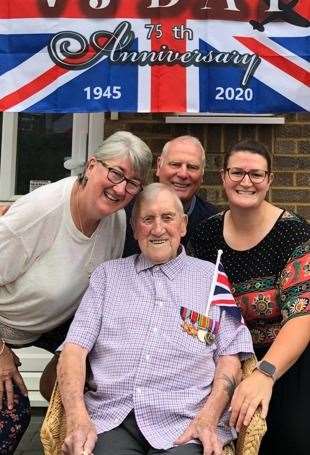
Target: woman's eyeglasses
237,174
132,187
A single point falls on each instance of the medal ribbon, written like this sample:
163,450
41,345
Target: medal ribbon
203,321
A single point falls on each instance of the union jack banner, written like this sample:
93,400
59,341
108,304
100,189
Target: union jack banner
216,56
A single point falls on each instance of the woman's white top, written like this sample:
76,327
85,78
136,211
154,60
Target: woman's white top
45,261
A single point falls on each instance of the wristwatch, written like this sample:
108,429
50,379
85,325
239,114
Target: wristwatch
266,368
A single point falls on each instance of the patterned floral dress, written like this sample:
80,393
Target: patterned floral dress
271,285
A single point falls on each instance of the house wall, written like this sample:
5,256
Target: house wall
288,143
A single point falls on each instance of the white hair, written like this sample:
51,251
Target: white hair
149,193
190,139
124,143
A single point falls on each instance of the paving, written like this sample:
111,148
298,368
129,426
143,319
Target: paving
30,443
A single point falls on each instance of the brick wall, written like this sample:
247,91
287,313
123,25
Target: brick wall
289,144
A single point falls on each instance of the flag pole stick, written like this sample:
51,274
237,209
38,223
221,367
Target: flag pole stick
214,278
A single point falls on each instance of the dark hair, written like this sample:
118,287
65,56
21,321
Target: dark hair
249,146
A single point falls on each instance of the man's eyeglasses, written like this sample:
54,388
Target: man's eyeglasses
237,174
115,176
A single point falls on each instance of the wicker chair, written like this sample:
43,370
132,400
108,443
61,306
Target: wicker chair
54,426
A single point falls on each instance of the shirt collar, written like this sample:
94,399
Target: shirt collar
191,206
170,268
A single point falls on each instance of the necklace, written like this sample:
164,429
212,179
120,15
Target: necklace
78,212
91,263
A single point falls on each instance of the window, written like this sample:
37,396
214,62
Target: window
34,148
43,143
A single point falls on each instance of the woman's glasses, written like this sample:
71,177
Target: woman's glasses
132,187
237,174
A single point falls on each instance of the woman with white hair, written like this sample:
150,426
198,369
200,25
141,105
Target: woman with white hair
50,242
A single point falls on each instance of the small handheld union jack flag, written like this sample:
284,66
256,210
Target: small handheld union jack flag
201,325
220,292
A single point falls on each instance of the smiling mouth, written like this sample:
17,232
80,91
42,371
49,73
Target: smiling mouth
249,193
181,186
158,242
111,197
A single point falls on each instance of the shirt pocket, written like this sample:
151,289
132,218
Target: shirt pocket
187,336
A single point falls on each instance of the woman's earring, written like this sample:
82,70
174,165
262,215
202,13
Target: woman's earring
84,181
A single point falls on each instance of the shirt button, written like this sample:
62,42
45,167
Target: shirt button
138,390
160,303
147,357
155,329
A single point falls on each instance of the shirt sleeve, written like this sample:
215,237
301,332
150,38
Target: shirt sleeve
13,255
294,284
86,324
233,338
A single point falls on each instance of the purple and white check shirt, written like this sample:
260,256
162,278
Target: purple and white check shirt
129,321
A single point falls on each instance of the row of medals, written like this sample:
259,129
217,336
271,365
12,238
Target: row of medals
198,325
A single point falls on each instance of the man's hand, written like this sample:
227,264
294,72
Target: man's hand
81,436
9,375
201,429
252,392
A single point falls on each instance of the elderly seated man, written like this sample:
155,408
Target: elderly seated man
152,348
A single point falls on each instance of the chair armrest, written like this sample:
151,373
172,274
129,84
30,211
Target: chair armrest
250,437
248,366
53,430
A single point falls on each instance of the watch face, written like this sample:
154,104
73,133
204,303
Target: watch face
267,368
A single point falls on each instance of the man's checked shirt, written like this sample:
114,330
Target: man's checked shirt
129,320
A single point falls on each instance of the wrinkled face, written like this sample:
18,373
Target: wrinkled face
104,196
245,193
181,167
158,227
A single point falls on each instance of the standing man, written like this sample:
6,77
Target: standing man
180,165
